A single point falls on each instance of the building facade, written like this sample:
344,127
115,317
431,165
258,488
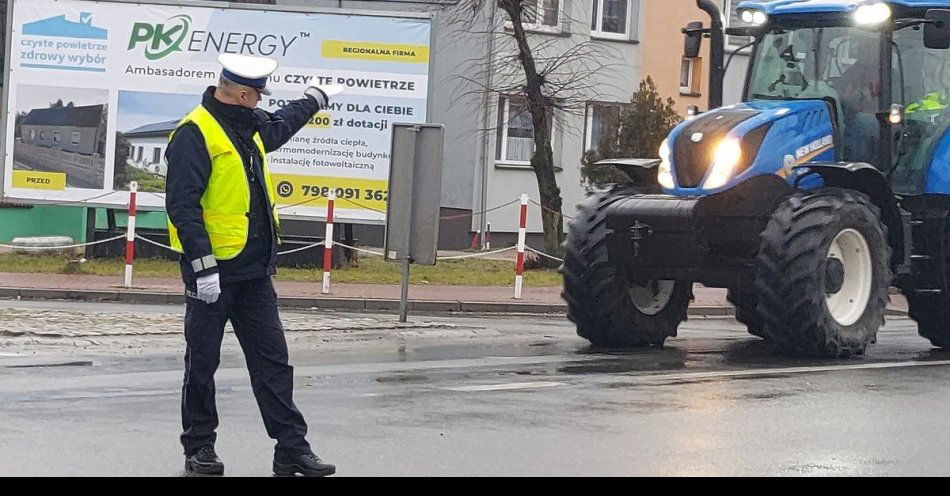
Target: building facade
70,129
147,146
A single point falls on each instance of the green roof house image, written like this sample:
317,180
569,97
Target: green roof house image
61,27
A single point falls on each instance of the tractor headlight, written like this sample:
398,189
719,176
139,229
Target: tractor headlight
664,174
872,14
754,17
725,159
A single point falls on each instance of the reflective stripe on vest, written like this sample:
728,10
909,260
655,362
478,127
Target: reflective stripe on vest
226,201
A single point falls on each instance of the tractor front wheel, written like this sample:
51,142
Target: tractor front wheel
823,273
608,309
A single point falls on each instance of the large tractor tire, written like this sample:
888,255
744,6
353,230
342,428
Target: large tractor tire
823,274
932,313
747,311
609,310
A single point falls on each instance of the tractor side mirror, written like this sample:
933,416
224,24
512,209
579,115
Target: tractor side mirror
937,29
694,39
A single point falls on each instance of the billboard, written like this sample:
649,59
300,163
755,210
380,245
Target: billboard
93,89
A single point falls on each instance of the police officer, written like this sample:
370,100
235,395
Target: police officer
222,219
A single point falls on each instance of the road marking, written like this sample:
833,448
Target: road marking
507,387
726,374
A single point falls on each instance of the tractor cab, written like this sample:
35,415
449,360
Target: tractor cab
883,68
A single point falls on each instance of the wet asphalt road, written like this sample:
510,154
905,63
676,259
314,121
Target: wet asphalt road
486,395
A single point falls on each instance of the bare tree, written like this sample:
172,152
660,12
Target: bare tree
553,76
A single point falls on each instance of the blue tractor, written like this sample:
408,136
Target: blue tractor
808,201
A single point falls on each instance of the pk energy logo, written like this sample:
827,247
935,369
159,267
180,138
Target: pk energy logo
160,39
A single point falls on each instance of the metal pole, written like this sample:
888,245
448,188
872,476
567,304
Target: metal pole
407,258
404,294
717,52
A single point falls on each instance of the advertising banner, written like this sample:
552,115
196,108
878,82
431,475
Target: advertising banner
95,88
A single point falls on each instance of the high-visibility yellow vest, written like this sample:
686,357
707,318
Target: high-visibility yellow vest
929,103
226,201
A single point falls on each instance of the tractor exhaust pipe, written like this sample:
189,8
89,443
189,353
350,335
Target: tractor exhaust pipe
717,53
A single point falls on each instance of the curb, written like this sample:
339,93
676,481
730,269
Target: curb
346,304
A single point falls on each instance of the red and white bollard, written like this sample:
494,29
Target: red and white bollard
130,235
522,230
328,244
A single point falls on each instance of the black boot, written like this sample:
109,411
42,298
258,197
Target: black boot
308,465
205,461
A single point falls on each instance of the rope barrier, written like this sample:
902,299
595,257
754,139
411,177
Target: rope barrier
463,216
476,255
360,250
302,248
156,243
552,210
532,250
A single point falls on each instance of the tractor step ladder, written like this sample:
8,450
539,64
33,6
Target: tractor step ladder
927,259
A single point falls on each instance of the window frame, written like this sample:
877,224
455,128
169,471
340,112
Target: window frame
695,87
501,148
728,6
599,33
540,27
589,120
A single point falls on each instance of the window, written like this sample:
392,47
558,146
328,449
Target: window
141,151
56,138
690,77
543,15
602,120
613,18
515,138
730,7
156,155
76,137
32,134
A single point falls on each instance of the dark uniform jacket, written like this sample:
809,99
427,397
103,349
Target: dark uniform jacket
189,167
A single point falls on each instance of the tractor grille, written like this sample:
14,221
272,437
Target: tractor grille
692,160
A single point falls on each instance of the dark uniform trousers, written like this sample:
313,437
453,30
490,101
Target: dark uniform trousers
251,306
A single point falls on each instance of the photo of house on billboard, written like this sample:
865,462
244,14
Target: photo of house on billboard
62,132
145,121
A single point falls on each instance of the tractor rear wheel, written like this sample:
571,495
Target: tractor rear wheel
932,313
608,309
823,273
747,312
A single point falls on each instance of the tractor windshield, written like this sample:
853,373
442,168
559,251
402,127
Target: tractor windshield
922,84
839,64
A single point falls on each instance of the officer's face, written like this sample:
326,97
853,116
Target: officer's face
249,97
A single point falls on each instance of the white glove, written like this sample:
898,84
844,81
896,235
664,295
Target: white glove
319,95
322,94
209,288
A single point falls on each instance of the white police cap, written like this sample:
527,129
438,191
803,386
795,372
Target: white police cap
248,71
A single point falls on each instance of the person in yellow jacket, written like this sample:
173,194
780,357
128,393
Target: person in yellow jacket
222,219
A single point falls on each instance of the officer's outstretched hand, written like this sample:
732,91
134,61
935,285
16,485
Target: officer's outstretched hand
209,288
322,94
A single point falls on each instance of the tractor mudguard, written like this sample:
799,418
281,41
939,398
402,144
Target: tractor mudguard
641,171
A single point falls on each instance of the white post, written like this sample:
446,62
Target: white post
522,230
328,244
130,235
